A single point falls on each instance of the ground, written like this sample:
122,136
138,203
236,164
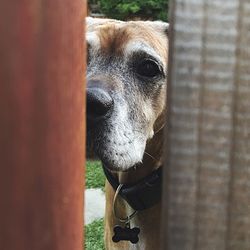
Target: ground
94,206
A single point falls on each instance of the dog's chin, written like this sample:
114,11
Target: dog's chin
114,164
111,165
117,168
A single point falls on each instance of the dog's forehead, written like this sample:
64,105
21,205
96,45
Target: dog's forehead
117,37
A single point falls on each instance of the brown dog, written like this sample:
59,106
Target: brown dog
127,68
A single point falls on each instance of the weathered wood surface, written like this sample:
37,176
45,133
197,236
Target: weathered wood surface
207,172
41,124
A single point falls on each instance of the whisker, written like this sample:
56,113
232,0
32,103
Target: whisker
140,132
160,128
150,156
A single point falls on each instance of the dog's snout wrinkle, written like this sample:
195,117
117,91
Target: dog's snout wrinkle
99,103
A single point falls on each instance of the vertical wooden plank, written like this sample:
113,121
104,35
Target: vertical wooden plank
41,124
239,207
207,201
186,46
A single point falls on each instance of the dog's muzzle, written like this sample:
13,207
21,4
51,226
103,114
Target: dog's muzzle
110,133
99,104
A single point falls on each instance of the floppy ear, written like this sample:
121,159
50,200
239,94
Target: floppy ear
94,21
99,21
161,26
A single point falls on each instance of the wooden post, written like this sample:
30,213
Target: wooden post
207,172
41,124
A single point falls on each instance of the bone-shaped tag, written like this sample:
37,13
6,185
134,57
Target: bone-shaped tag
126,233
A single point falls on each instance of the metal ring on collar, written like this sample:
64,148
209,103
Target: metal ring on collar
129,217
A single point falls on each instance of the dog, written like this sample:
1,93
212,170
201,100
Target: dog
126,103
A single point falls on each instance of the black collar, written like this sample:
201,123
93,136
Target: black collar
141,195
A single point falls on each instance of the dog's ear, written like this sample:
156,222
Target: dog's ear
92,21
161,26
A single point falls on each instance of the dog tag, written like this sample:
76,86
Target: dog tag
126,233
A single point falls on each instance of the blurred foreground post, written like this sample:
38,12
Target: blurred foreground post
41,124
207,177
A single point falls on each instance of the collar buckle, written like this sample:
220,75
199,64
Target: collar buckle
141,195
129,217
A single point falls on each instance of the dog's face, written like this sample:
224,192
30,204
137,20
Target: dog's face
126,85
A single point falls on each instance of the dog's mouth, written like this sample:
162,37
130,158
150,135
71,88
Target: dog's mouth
117,149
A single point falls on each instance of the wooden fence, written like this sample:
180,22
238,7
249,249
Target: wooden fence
41,124
207,177
207,172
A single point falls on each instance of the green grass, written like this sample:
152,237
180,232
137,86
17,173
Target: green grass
94,175
94,232
94,236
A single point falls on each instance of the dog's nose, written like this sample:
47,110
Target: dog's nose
99,103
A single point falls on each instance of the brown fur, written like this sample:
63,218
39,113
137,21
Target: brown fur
112,39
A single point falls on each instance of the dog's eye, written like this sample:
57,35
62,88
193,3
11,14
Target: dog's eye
148,68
